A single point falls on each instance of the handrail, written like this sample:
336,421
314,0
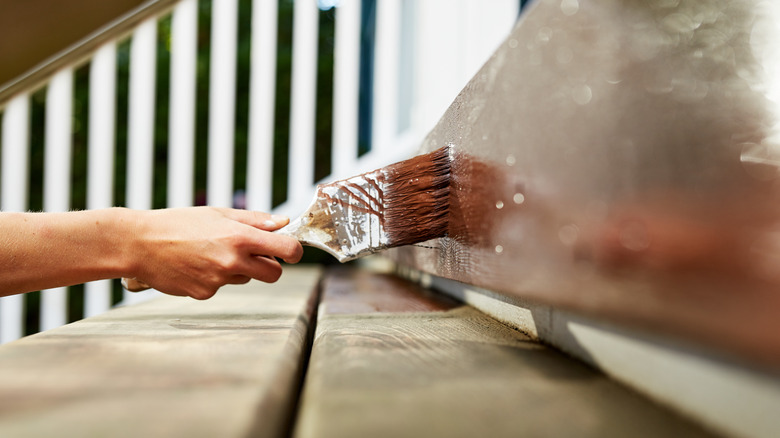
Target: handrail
80,50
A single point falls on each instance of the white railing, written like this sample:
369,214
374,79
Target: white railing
451,41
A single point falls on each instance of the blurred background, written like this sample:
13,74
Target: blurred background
244,103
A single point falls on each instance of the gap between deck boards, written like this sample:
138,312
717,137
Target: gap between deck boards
391,358
313,311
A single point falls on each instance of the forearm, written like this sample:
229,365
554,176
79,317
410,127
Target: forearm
44,250
186,251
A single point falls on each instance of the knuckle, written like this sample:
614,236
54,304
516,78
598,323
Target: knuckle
208,285
236,240
229,263
204,293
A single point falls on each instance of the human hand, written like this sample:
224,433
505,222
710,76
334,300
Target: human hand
195,251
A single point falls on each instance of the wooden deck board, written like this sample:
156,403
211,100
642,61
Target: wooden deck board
449,370
226,367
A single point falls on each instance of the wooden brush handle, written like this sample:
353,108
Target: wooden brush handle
134,285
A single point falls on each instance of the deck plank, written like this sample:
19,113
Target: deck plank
437,369
226,367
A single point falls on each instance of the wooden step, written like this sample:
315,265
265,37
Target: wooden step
390,359
227,367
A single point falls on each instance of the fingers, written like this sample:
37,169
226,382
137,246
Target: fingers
240,247
239,279
283,247
275,245
266,269
261,268
257,219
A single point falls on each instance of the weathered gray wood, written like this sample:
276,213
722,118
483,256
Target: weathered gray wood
226,367
433,368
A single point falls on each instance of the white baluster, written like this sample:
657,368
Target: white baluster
100,166
386,56
262,88
346,87
222,92
13,197
140,120
181,155
56,178
140,123
302,104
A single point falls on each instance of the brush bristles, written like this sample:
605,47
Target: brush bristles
416,198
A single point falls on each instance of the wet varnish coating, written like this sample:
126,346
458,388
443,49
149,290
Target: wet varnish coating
620,159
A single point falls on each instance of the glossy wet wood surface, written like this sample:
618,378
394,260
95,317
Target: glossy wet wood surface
617,172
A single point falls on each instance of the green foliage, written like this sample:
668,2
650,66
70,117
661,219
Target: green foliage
324,110
282,106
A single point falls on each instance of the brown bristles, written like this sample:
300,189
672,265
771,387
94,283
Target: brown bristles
416,198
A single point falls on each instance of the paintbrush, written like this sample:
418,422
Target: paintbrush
400,204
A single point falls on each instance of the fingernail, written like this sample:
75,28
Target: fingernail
279,218
271,224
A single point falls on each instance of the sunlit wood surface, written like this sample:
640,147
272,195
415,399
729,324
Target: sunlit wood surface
226,367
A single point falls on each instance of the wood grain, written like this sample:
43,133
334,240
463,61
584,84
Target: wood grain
452,371
226,367
351,291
